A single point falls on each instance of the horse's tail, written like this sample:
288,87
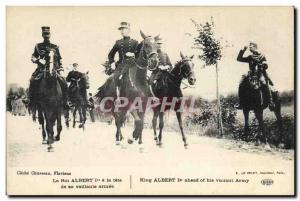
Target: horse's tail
103,90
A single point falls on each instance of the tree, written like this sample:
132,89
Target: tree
210,52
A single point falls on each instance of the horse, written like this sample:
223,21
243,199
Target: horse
257,99
79,99
49,103
169,86
133,87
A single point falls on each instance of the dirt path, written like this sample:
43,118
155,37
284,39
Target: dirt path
80,147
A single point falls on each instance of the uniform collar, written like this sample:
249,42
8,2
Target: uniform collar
46,41
126,37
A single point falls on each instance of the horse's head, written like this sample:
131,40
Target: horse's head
185,68
149,51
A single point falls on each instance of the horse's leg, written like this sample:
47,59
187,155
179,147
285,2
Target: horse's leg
179,118
154,122
80,116
83,116
277,112
137,125
42,123
59,126
119,120
141,127
262,133
66,115
246,127
34,113
161,126
74,117
49,128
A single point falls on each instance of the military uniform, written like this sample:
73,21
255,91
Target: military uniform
73,77
121,47
255,61
164,60
41,52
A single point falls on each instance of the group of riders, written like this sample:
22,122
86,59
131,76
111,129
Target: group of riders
128,47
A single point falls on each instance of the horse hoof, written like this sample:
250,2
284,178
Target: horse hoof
57,138
186,146
50,149
130,141
140,142
44,142
117,143
155,138
267,147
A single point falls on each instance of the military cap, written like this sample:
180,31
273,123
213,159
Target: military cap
124,25
158,39
46,29
253,44
75,64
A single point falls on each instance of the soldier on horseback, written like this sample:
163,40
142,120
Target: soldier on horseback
164,63
41,57
74,77
126,47
256,61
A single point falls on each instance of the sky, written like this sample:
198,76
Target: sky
86,34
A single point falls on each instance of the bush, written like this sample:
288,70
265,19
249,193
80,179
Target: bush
206,120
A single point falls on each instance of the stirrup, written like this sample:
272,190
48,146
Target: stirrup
238,106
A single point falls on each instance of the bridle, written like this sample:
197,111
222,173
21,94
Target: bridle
145,57
182,76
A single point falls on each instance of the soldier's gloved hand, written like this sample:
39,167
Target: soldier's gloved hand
42,61
130,54
113,66
163,67
245,48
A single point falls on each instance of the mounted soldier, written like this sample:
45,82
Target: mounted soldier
126,47
74,77
42,57
164,65
257,62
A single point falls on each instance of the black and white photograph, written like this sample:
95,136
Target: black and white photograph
150,100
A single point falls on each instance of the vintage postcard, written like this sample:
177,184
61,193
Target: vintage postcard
150,101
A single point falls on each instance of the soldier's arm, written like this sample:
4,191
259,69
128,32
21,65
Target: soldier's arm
137,49
169,62
264,63
241,57
58,56
112,53
68,79
35,55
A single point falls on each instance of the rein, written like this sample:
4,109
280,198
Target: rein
178,85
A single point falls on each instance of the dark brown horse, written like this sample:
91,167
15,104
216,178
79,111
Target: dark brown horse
257,99
78,98
49,104
133,87
168,86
